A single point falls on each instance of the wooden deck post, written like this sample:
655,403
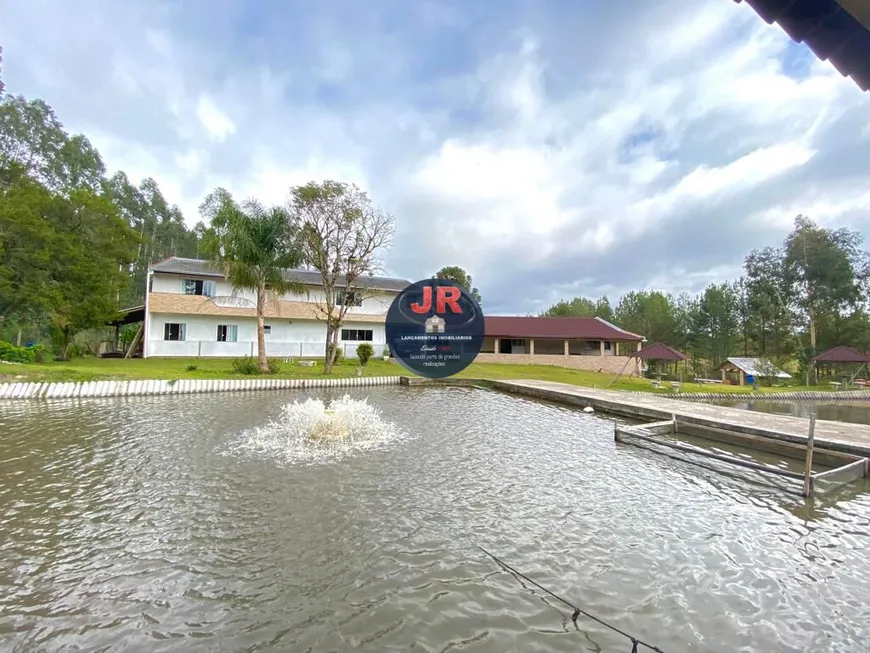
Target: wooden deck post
808,470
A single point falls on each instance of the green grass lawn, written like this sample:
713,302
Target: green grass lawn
102,369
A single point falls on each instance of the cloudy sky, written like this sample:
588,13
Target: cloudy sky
551,148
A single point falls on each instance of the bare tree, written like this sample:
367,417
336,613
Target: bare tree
342,235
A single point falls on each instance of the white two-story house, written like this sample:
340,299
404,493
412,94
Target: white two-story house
192,310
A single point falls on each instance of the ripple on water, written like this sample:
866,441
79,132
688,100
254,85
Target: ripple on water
145,521
312,431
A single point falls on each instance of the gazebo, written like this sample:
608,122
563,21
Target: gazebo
844,356
657,351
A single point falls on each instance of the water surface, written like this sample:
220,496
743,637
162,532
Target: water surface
854,412
135,522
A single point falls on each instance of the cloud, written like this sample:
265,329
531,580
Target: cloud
551,149
216,123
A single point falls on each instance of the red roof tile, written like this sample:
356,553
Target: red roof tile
659,351
564,328
842,354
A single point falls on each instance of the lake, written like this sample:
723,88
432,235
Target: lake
141,522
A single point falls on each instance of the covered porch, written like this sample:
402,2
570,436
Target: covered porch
558,347
115,348
577,342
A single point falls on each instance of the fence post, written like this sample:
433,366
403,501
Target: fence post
808,470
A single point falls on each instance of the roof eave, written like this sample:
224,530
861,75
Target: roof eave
837,32
616,338
219,275
190,274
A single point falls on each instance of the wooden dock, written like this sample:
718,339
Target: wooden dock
837,436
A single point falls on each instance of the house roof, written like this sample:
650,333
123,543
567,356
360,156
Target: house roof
200,268
842,354
659,351
563,328
837,31
756,367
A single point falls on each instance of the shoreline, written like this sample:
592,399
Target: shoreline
145,387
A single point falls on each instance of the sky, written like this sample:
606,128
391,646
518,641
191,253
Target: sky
552,148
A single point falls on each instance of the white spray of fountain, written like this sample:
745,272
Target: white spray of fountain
310,431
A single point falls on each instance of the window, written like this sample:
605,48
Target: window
198,287
593,344
227,333
357,335
173,331
607,345
348,299
518,343
267,329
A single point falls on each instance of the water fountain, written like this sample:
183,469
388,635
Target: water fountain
311,430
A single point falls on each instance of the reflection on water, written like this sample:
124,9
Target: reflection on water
125,522
855,412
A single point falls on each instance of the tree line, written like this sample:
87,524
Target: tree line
792,301
76,243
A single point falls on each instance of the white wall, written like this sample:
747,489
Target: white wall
172,283
297,338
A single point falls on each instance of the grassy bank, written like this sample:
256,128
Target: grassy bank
104,369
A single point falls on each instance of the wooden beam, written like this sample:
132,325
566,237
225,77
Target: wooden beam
135,343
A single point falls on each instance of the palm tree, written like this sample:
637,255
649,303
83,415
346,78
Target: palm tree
254,246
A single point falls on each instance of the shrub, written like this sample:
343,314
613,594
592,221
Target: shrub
41,355
246,365
338,355
251,366
191,368
13,354
364,352
74,351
